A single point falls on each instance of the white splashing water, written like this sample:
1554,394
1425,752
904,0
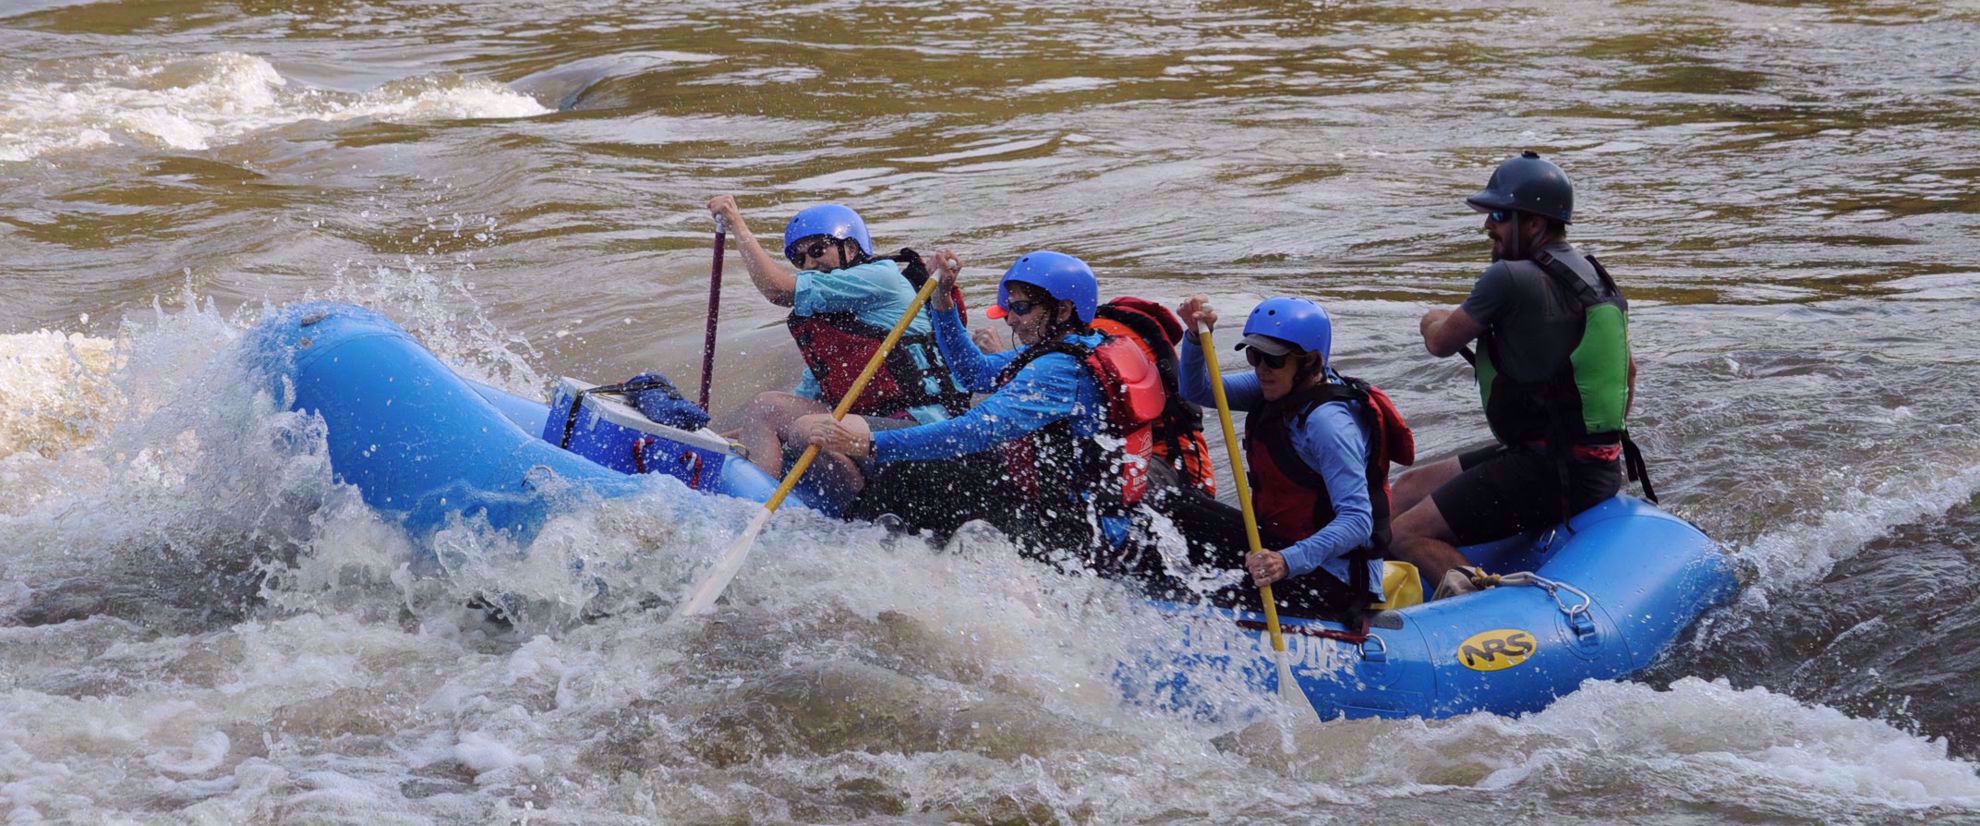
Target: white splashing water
434,301
1798,554
863,672
203,101
51,387
1706,740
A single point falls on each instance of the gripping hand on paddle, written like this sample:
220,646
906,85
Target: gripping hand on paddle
945,266
727,214
833,436
1266,567
1197,313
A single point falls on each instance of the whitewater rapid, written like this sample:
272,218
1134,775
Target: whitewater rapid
191,102
198,620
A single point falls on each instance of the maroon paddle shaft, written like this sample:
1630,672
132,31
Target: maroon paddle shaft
714,311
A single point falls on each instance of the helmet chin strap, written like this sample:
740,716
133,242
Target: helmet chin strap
1516,248
846,261
1060,328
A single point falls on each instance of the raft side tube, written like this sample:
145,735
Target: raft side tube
418,442
1506,650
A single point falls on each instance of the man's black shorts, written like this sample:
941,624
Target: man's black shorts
1505,491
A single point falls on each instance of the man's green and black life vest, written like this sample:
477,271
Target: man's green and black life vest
1574,405
1580,398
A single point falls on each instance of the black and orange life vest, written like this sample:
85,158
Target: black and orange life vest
837,346
1178,432
1052,464
1291,498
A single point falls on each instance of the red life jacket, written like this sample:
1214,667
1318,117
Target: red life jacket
1178,432
837,347
1052,463
1292,498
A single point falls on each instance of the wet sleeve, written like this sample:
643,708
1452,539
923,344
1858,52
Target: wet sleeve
1491,295
1331,441
842,292
974,369
1041,394
1241,389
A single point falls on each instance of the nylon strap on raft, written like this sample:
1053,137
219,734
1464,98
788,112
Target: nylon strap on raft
1638,471
624,389
1355,637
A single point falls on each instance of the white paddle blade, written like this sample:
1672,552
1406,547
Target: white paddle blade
701,598
1289,691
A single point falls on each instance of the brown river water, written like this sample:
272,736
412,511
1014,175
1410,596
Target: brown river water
195,626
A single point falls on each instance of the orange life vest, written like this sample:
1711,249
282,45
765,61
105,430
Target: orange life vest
1052,463
1178,432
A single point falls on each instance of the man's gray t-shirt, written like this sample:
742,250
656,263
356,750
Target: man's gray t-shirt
1537,326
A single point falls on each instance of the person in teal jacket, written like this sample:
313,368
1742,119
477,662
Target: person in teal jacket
843,301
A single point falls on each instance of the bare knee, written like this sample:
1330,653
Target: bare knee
1423,539
1422,521
772,400
1415,487
774,410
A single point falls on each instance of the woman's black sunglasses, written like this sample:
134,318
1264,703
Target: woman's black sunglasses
1253,355
807,250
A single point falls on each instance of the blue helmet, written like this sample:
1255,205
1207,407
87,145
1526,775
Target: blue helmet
1060,275
829,220
1278,326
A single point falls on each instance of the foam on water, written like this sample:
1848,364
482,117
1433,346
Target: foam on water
1798,554
51,387
198,102
1699,742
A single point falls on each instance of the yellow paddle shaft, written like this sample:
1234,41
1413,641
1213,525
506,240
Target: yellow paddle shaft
1238,478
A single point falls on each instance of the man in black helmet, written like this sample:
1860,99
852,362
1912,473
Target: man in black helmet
1554,372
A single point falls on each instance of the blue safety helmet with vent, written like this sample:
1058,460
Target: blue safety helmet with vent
1061,276
1282,325
831,221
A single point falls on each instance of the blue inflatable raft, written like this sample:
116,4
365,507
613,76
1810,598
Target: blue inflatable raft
1602,596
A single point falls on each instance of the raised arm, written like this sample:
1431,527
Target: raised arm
1444,331
974,369
1193,379
1035,399
1044,392
773,278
